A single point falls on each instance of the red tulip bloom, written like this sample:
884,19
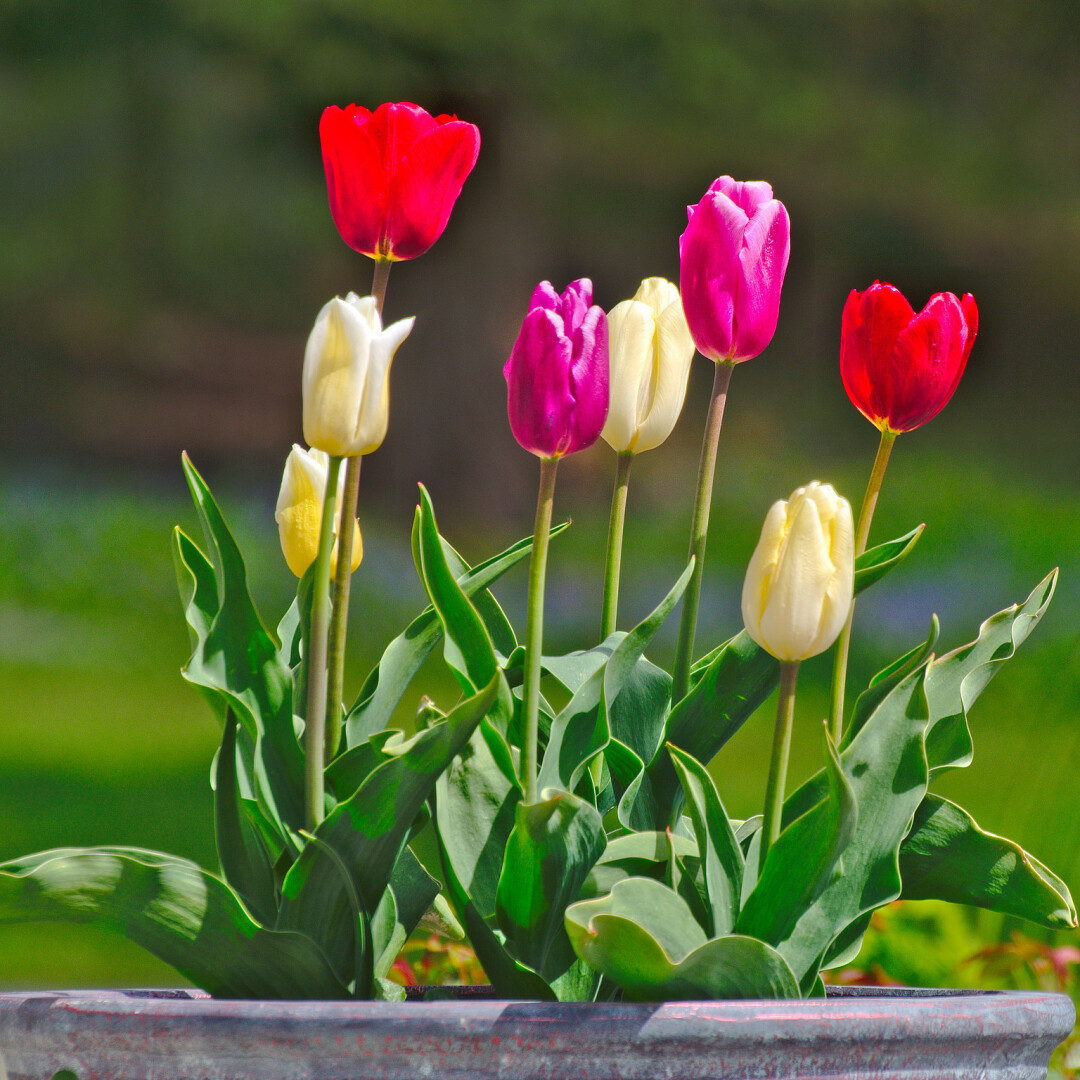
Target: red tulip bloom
899,368
393,175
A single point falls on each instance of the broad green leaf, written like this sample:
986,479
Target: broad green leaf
246,863
645,938
946,856
578,734
467,645
369,830
294,633
804,860
636,806
572,670
552,848
736,681
474,813
411,891
509,977
350,769
955,680
404,656
173,909
718,849
487,607
237,660
637,694
874,564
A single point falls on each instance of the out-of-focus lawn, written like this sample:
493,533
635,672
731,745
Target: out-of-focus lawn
101,741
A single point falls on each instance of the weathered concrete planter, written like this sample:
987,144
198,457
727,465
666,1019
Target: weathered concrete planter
180,1035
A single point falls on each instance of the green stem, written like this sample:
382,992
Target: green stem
613,563
862,531
774,790
534,627
339,616
339,611
699,528
314,731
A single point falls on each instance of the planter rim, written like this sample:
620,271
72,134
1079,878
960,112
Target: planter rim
854,1032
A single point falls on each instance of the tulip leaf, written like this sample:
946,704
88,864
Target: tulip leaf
874,564
804,859
572,670
386,684
552,848
246,862
349,770
173,909
369,830
645,938
294,633
636,804
474,813
578,733
237,661
719,851
946,856
888,763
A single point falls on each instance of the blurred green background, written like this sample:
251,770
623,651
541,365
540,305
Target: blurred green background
165,244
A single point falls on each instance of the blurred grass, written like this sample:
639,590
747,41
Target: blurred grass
101,741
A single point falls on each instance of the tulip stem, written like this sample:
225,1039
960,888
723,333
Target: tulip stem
613,562
862,532
314,732
339,611
699,528
378,283
534,627
339,615
774,790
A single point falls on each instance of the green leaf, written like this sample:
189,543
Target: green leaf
237,661
804,860
487,607
578,733
474,813
246,863
573,669
872,565
173,909
946,856
467,645
645,938
552,848
369,830
718,849
636,808
404,656
509,977
349,770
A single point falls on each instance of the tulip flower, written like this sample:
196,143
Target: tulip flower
557,373
800,581
393,175
300,509
796,598
733,256
346,381
899,368
651,350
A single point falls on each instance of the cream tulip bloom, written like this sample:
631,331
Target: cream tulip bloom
650,349
299,510
801,579
346,379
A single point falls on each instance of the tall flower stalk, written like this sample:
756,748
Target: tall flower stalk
733,257
557,400
899,369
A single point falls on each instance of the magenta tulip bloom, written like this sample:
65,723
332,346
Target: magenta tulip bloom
557,374
733,257
393,175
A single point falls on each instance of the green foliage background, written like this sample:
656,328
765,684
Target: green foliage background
165,245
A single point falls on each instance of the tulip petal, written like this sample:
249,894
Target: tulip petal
355,177
426,183
373,414
674,355
763,262
589,380
632,338
709,273
748,195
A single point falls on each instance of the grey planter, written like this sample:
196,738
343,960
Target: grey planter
183,1035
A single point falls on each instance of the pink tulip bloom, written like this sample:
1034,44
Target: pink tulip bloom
733,257
557,374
